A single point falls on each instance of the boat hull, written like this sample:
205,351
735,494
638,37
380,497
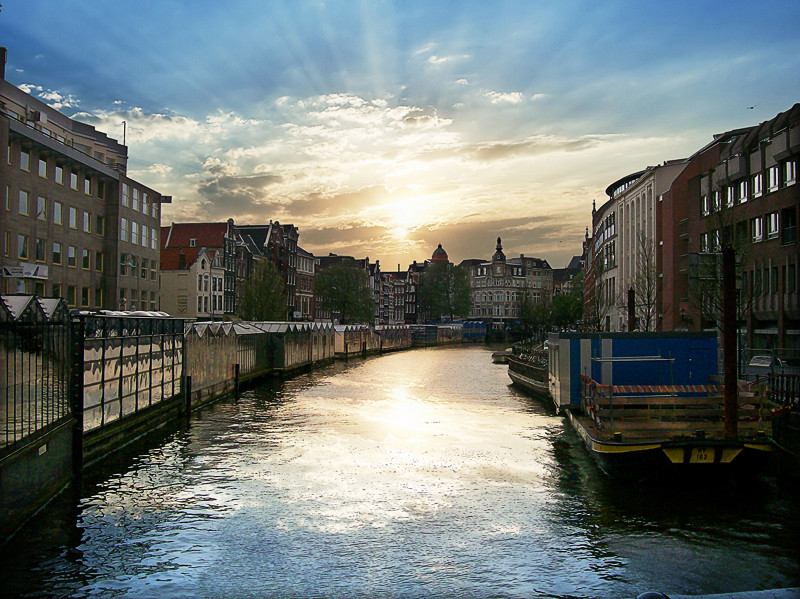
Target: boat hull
654,458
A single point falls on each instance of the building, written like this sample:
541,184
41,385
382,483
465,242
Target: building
498,286
278,244
739,191
219,239
74,225
304,299
192,283
625,245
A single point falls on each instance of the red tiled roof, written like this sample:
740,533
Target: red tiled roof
207,234
170,257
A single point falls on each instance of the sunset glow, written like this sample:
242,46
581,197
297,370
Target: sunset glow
381,129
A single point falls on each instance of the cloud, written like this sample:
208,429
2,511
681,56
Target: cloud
439,60
504,97
462,81
51,97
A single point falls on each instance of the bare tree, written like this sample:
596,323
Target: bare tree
644,283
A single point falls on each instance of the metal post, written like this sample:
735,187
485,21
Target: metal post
729,342
631,309
77,334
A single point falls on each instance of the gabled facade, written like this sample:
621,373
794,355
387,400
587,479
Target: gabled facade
192,283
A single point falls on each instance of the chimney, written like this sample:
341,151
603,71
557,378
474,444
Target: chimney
3,58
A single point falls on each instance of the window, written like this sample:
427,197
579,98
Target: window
41,252
758,184
98,297
705,206
125,194
134,232
55,290
59,174
773,177
85,260
773,225
144,236
22,247
8,197
756,230
87,222
742,191
145,203
71,295
7,243
58,217
199,282
101,189
24,160
123,264
98,261
73,180
193,242
56,252
41,208
716,200
99,225
790,172
730,198
154,239
704,242
84,297
73,218
42,167
23,202
154,210
87,187
72,253
123,230
135,204
153,270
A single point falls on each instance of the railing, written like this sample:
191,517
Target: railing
34,356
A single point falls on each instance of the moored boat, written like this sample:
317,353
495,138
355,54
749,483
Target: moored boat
645,404
501,357
528,370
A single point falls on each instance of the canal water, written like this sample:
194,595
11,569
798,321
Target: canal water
415,474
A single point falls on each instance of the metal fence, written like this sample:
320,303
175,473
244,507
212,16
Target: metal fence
130,363
34,358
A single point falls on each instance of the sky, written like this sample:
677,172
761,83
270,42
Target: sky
384,128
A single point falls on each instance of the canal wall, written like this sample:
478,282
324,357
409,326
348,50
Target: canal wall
79,386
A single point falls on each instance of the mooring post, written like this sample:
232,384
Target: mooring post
729,342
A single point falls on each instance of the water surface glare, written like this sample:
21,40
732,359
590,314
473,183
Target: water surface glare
415,474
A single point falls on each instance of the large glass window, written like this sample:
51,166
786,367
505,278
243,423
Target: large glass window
123,229
126,190
22,247
42,167
23,202
58,217
73,217
87,222
72,256
25,160
41,252
41,208
56,252
73,179
59,174
85,260
773,225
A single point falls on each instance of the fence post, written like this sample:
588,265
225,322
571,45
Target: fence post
75,391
